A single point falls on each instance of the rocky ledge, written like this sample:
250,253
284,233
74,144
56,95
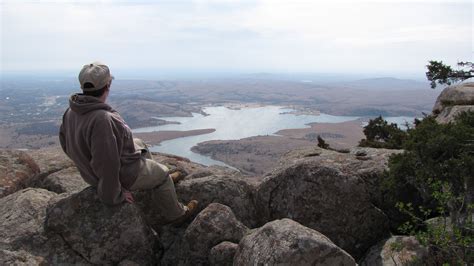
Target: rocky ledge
318,207
454,100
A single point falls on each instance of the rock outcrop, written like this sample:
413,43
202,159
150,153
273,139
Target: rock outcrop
67,180
22,216
22,235
397,250
57,172
102,234
368,164
17,169
454,100
331,198
50,160
286,242
321,190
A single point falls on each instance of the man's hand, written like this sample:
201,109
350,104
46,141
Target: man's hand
128,196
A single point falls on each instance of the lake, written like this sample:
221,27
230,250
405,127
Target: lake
232,124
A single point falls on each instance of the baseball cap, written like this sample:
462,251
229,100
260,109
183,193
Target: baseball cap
96,73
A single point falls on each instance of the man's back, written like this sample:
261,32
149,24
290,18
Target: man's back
95,137
101,145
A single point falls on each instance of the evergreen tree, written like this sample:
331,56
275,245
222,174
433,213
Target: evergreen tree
443,74
380,134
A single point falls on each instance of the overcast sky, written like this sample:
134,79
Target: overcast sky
244,36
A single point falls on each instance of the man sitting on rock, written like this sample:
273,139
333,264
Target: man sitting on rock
102,147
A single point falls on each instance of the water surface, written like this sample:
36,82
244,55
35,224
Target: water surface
232,124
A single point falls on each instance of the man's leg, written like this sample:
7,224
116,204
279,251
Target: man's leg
155,175
141,146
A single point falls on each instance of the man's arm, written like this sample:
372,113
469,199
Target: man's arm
62,136
105,161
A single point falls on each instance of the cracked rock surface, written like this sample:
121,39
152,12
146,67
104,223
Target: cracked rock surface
329,198
286,242
22,234
101,234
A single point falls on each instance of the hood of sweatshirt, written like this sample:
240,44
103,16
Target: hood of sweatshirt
82,104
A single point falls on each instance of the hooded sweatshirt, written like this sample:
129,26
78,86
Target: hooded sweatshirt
99,142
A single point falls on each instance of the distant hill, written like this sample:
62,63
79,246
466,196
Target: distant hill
383,83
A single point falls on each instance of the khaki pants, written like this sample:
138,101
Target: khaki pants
153,175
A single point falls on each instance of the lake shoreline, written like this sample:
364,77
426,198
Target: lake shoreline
236,123
256,155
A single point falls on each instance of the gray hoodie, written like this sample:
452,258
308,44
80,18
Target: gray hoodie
101,145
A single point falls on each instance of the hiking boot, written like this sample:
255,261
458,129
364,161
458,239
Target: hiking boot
190,209
177,176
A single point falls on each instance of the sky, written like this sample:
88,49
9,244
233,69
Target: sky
337,36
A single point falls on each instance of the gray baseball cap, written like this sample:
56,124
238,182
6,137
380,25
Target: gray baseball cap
97,74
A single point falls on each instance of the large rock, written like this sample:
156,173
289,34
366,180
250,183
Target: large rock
67,180
223,254
50,159
22,217
232,191
286,242
20,257
369,164
102,234
449,113
22,235
325,191
454,100
214,224
397,250
190,245
17,169
174,246
366,163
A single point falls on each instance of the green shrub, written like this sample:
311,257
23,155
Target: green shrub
380,134
434,177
